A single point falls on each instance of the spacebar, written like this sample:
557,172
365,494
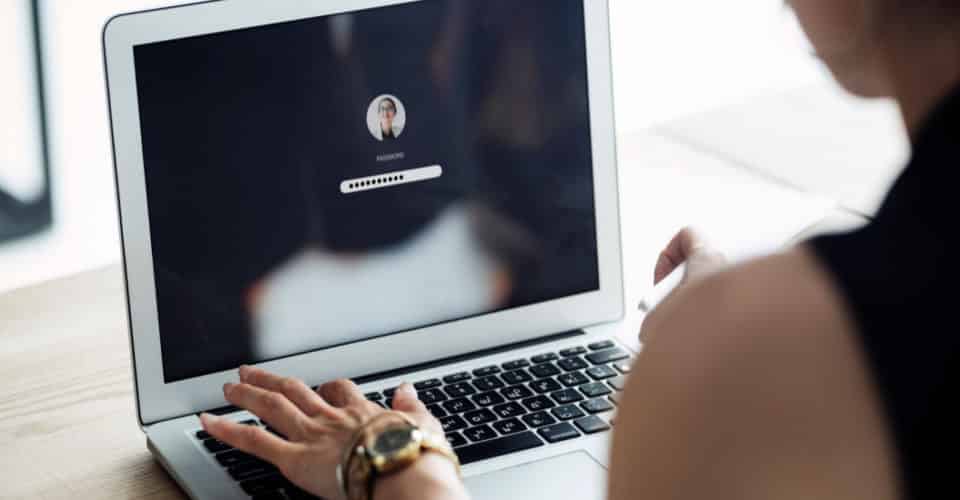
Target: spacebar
496,447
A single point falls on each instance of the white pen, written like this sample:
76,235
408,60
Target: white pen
663,289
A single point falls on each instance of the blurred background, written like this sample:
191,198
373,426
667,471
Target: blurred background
687,69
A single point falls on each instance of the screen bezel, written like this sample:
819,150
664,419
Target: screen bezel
157,400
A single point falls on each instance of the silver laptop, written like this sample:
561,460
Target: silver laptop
381,190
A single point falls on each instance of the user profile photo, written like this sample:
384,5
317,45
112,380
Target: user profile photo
386,118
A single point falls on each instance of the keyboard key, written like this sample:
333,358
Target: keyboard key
572,364
457,377
388,404
202,435
544,370
437,411
544,358
481,416
538,403
290,492
618,383
558,432
601,372
516,392
460,390
615,398
599,346
604,357
598,405
595,389
427,384
568,412
486,371
249,422
539,419
488,383
567,396
455,439
390,392
509,426
271,495
545,385
591,425
234,457
623,366
216,446
264,484
453,423
488,398
513,365
250,470
498,447
573,351
373,396
430,396
509,410
480,433
573,379
516,377
459,406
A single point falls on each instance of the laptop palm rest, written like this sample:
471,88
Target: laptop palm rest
574,475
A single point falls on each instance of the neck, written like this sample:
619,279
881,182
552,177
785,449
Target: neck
923,71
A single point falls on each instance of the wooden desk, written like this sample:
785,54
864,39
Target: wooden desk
68,425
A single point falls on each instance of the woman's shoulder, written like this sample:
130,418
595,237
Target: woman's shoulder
789,291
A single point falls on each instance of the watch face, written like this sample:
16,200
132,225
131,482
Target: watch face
392,441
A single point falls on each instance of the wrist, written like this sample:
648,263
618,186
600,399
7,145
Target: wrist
431,476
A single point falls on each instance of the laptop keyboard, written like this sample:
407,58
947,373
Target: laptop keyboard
486,413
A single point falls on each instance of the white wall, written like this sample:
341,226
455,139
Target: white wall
671,59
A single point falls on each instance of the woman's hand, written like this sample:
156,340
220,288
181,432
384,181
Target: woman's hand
690,248
687,247
318,425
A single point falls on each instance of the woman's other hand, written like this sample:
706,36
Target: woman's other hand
689,247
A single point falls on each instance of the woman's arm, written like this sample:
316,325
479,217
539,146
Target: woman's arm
432,478
752,384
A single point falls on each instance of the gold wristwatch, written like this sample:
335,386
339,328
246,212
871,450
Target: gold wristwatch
389,442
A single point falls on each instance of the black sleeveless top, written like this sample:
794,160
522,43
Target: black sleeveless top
899,277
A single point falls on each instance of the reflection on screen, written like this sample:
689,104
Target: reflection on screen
287,211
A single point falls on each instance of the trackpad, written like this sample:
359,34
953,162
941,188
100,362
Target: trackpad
571,476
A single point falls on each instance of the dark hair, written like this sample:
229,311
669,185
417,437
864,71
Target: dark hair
394,103
941,11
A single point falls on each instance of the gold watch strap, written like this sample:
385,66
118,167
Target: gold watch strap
357,474
439,444
429,443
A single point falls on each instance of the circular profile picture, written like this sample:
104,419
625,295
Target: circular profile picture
386,118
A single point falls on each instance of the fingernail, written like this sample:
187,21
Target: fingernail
227,388
243,372
206,419
407,387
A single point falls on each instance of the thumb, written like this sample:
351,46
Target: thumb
405,399
681,248
689,247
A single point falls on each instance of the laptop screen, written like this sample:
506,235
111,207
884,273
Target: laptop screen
321,182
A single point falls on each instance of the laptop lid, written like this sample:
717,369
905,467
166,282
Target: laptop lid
334,189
